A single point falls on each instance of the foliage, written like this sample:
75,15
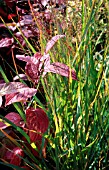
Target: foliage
70,130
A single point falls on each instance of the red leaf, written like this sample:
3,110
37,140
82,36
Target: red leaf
34,65
20,76
16,92
2,125
14,118
25,58
8,155
12,156
51,43
12,87
62,69
33,72
38,144
6,42
10,3
21,96
7,144
10,16
37,121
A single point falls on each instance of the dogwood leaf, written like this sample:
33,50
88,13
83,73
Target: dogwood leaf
14,118
20,76
14,87
6,42
11,87
37,123
34,65
20,96
12,156
16,92
51,42
62,69
25,58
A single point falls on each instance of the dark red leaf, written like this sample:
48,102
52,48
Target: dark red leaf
38,144
7,144
10,3
14,118
37,121
34,65
33,72
12,156
2,125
